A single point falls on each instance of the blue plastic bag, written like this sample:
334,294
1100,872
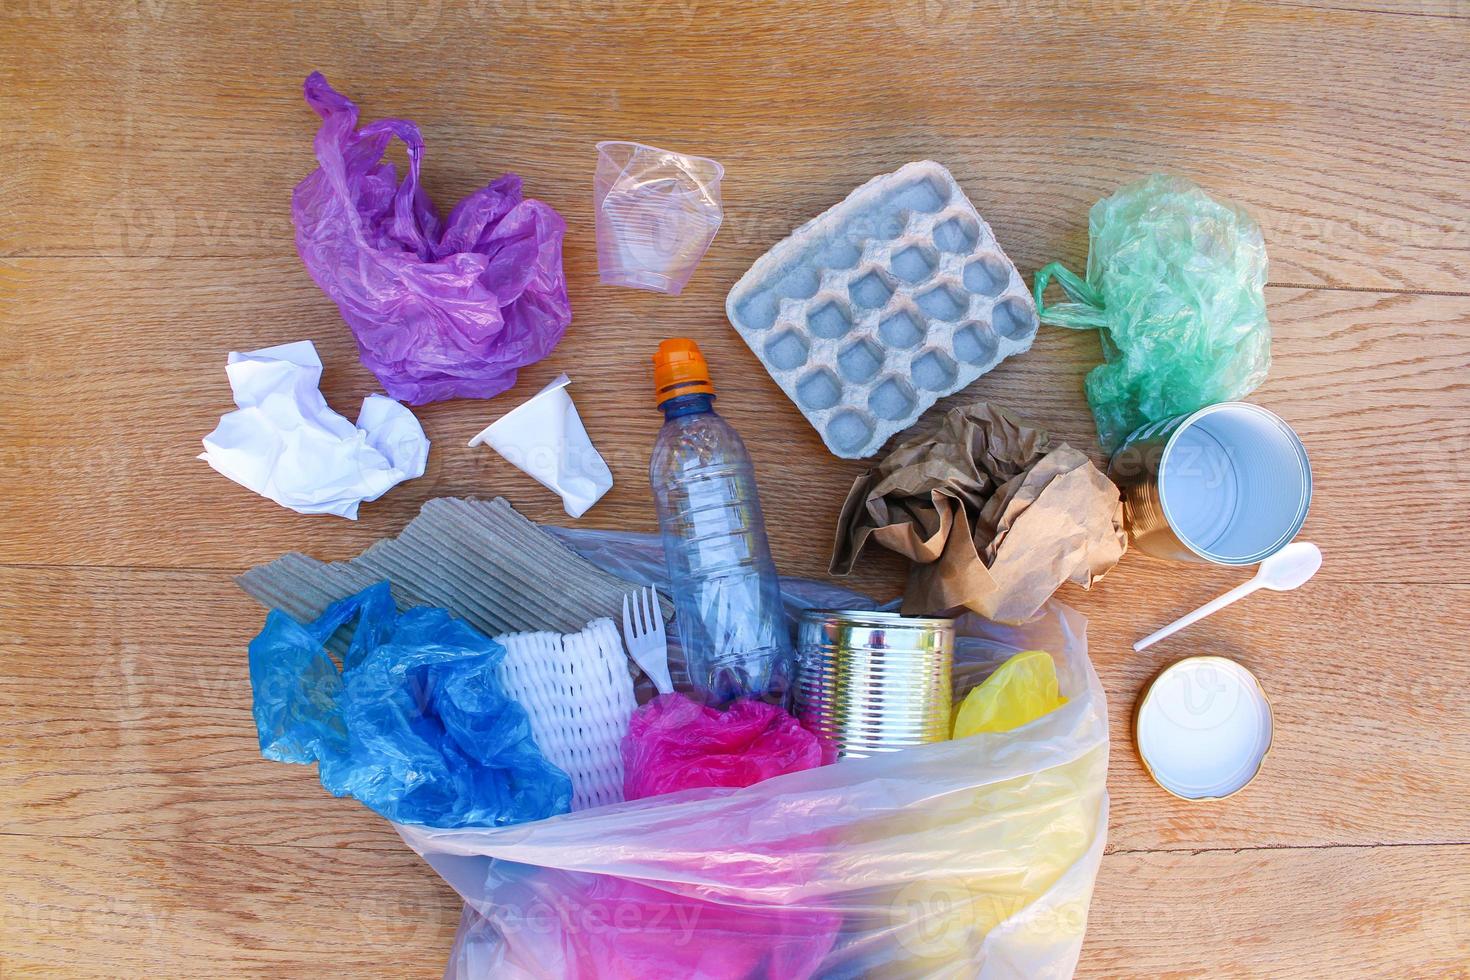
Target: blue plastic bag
414,725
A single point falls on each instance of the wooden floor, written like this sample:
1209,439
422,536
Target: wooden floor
148,156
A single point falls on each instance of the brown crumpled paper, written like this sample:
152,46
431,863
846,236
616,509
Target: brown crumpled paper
993,514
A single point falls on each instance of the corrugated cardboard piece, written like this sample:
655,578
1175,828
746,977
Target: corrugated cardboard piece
479,559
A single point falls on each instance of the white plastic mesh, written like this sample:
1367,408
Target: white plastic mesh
578,692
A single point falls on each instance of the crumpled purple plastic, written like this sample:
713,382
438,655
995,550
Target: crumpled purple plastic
440,310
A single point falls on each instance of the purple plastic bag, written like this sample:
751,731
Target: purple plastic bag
440,310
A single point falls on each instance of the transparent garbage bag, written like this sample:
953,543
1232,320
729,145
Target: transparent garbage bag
974,857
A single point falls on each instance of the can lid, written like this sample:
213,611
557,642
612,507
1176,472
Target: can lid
1203,728
679,369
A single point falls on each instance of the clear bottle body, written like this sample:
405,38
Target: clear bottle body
727,598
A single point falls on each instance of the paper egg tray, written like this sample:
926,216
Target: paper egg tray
878,307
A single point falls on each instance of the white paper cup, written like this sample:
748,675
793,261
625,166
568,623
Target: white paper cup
545,438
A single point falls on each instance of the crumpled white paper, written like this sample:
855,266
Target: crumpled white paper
285,443
545,438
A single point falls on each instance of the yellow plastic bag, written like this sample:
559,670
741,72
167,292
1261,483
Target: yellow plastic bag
1039,819
1020,691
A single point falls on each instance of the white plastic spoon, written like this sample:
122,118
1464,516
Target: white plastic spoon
1286,570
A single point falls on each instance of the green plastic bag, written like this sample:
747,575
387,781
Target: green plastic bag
1176,286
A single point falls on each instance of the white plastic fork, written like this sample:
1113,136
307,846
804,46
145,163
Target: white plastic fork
643,632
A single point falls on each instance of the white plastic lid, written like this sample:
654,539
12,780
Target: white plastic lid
1203,728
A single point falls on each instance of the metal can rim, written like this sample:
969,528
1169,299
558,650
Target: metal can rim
1304,462
878,617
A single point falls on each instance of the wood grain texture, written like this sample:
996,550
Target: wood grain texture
115,388
128,708
145,232
1315,912
177,129
107,908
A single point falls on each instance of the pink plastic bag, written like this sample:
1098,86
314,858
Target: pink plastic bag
674,743
440,310
600,927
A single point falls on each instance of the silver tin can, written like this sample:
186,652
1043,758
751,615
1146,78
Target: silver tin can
874,682
1229,484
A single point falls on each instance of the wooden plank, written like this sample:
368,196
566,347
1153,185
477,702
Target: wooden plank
1364,693
1456,9
107,908
125,713
79,907
1329,912
1343,130
145,231
112,377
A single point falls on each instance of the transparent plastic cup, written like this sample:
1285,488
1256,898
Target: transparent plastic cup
657,212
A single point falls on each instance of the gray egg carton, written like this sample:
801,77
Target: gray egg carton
881,305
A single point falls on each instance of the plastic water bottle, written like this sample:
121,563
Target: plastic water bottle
726,596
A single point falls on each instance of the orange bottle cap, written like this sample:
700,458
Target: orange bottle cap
679,369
